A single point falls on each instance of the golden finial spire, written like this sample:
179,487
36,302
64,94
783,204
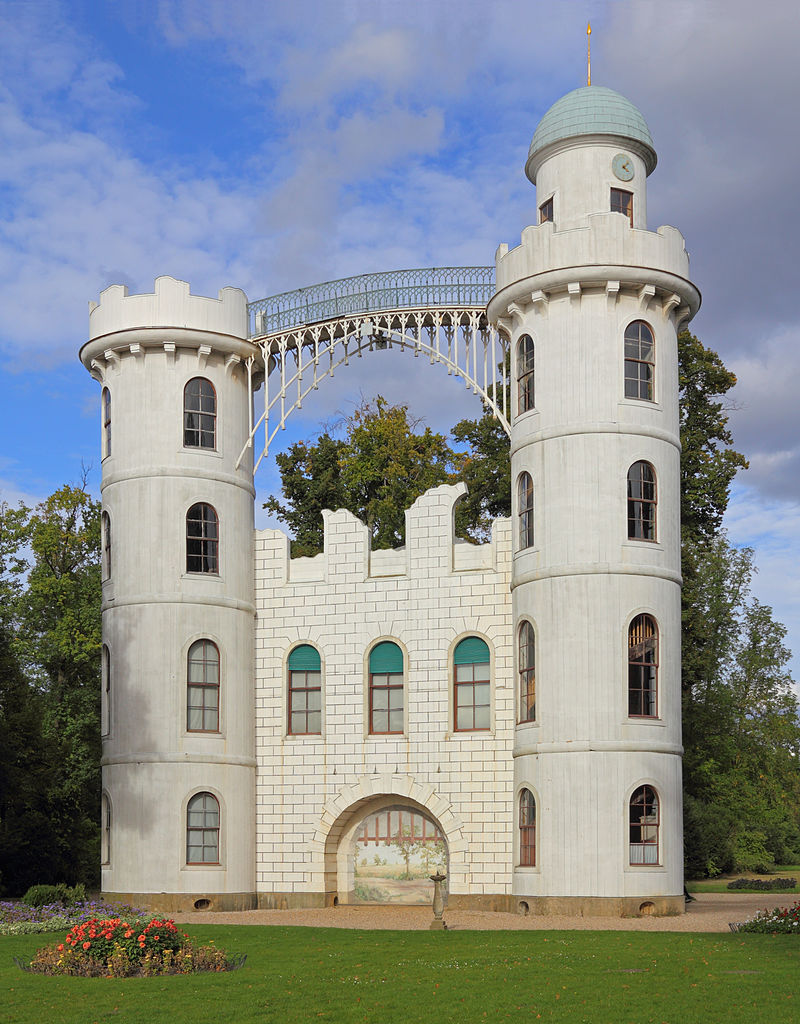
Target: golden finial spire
589,53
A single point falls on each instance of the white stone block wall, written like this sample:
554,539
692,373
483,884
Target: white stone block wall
306,784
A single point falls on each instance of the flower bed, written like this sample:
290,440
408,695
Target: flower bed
125,948
780,921
763,884
18,918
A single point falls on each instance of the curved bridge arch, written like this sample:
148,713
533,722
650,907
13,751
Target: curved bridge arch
442,320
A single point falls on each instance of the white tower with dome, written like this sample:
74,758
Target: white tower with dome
593,302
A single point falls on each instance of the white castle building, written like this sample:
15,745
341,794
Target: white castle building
518,700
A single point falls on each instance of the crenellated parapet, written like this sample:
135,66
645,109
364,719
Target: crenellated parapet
431,547
605,254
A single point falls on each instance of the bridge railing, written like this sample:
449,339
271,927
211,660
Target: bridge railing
368,293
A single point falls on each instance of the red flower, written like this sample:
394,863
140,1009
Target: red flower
87,945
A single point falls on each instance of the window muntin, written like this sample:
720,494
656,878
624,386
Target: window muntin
202,539
622,202
304,691
386,689
642,500
526,663
525,374
105,693
643,667
105,830
525,510
640,361
643,826
106,407
527,829
546,211
202,829
471,686
202,687
105,523
199,414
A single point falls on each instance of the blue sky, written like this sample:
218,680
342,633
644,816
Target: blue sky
271,145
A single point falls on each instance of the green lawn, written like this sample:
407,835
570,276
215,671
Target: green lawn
298,975
721,884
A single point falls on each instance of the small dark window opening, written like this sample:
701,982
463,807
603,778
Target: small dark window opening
622,202
202,539
525,375
106,422
527,829
641,502
525,510
643,668
527,673
546,211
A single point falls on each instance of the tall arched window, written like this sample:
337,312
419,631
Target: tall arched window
526,660
640,361
525,510
525,375
644,824
642,502
106,405
305,691
202,829
643,667
202,687
471,696
199,414
202,539
105,830
527,829
105,522
386,688
105,695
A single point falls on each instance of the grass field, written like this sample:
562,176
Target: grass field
721,884
298,975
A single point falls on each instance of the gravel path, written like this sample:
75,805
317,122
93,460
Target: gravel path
712,912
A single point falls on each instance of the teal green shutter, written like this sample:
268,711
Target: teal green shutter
471,651
386,657
304,658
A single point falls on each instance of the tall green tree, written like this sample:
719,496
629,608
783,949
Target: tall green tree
376,471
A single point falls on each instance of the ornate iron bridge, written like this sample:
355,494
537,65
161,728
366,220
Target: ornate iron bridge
440,313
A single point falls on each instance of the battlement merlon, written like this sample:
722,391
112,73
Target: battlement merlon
607,250
431,547
169,315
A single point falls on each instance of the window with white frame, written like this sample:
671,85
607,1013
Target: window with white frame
644,825
304,669
385,689
202,687
202,829
472,685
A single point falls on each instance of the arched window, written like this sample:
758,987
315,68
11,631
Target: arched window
105,695
386,688
641,502
105,830
527,673
199,414
525,510
471,697
202,829
106,405
202,539
305,691
644,824
202,687
640,361
525,378
527,829
643,667
105,522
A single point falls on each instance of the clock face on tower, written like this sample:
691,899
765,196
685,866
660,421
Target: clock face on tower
622,166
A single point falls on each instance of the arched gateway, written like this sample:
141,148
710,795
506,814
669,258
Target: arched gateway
255,744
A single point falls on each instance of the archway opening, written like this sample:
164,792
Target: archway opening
394,851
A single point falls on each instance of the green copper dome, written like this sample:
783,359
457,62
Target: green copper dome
592,110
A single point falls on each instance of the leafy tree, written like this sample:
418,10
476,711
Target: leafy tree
381,466
486,470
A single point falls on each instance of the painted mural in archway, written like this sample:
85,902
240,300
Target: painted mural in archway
395,851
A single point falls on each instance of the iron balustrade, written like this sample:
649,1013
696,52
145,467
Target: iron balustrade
425,288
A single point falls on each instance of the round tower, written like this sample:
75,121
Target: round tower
178,603
593,302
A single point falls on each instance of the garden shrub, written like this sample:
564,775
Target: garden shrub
763,884
117,948
44,895
780,921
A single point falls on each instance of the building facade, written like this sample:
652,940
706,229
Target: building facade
520,699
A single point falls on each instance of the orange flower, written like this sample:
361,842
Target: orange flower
61,947
87,945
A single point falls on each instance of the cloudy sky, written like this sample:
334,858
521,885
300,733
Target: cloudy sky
269,144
